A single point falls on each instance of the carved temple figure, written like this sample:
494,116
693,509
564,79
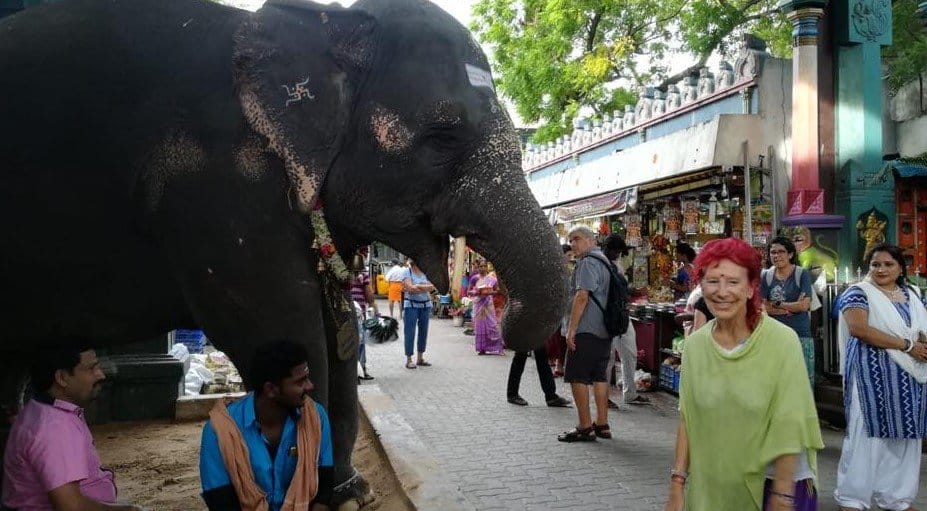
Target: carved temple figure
659,105
627,122
725,75
689,89
642,110
872,232
673,98
706,83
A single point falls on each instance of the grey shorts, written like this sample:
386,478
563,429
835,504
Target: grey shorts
588,363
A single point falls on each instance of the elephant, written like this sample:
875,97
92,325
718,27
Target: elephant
161,161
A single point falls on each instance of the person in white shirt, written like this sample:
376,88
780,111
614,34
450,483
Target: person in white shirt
394,277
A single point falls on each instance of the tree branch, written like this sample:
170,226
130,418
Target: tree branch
593,28
687,71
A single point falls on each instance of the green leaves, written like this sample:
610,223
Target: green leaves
906,58
552,57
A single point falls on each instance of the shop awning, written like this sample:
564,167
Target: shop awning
611,203
907,168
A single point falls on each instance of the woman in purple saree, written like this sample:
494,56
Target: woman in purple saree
485,324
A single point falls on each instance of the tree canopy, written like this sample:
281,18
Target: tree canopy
553,57
906,58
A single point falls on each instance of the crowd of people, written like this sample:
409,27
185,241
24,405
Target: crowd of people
748,433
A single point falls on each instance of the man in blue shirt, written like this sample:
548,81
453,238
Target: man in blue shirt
268,419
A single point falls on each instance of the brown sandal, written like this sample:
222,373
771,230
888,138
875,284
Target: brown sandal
602,431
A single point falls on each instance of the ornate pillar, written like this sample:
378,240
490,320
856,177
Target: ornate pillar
865,194
805,195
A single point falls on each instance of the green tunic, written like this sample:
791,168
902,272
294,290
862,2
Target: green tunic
742,411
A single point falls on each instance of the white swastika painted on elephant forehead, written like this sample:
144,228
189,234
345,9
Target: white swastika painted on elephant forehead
479,77
298,92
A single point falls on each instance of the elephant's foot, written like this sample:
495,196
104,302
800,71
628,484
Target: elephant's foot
352,494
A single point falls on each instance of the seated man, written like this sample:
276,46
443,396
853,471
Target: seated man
50,461
277,431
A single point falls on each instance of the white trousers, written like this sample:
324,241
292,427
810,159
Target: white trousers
627,349
884,471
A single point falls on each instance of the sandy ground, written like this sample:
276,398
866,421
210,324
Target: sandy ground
156,465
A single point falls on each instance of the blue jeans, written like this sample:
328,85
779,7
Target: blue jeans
411,318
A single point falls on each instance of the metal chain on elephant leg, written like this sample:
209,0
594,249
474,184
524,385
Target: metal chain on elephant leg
335,278
352,494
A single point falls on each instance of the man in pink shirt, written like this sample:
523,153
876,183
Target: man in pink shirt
50,461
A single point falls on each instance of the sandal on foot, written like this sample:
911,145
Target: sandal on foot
577,435
602,431
410,365
365,377
424,364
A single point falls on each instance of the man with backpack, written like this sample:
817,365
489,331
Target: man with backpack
594,318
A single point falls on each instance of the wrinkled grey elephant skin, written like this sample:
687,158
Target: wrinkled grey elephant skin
160,160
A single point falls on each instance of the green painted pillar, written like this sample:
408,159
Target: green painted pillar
865,195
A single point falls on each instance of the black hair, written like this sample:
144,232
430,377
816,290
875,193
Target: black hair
686,250
897,254
65,356
273,362
614,247
566,248
788,245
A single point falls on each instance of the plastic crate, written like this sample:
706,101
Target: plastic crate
194,340
667,375
677,375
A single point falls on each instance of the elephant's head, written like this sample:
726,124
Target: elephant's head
400,122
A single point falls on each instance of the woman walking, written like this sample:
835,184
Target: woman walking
786,292
485,323
748,432
884,366
416,307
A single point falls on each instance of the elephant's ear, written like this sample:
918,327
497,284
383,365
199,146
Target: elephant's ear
298,67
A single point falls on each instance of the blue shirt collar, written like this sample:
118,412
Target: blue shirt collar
249,412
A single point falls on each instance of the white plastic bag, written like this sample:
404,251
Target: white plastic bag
195,378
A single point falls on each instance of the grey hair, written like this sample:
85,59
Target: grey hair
581,229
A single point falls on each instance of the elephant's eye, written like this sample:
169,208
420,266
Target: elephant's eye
444,138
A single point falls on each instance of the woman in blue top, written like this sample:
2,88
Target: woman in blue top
416,307
786,292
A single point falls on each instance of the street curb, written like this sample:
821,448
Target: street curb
425,484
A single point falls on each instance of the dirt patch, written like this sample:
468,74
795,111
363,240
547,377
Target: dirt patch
157,465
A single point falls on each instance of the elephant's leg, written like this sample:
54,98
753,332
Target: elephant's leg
343,409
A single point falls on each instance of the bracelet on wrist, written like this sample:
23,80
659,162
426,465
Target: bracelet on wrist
678,479
788,498
678,476
909,345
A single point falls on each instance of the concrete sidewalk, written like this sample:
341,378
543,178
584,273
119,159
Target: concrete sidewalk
456,443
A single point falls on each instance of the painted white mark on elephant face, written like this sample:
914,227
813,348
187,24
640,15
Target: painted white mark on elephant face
250,159
298,92
176,154
479,77
304,177
209,271
324,17
389,131
241,242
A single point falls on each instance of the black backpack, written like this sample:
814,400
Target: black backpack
615,312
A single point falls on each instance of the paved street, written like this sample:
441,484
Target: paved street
502,456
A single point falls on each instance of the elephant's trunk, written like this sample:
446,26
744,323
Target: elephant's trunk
528,260
491,204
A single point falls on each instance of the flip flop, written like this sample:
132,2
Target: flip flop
365,377
411,365
424,364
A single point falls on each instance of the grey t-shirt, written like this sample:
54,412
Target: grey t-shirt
593,277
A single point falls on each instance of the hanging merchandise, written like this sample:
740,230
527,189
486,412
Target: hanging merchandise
634,238
762,223
690,216
672,223
737,219
604,228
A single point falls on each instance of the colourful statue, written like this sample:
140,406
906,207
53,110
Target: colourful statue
872,232
813,257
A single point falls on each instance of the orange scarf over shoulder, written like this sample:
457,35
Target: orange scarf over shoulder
305,484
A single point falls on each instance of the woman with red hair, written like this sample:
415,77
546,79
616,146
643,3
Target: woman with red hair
748,426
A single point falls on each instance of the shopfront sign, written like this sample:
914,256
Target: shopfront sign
611,203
